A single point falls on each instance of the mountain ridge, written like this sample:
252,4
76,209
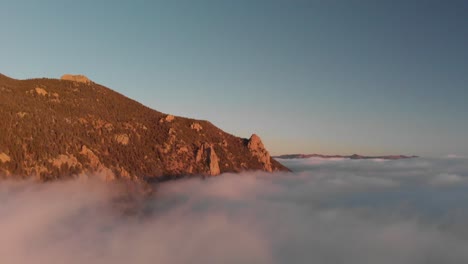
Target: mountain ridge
60,128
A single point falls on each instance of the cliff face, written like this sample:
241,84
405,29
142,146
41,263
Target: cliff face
60,128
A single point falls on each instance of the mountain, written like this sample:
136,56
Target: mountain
354,156
54,129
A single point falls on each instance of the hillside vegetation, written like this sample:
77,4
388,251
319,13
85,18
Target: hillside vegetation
53,129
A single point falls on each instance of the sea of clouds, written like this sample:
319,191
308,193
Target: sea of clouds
327,211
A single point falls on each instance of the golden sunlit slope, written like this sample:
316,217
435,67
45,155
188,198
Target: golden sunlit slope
52,129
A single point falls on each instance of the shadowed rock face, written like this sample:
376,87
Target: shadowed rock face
53,129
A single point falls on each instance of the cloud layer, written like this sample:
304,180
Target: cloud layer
338,211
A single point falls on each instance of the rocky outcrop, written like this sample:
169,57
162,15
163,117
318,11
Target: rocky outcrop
96,166
65,159
213,162
76,78
257,149
207,156
21,114
196,126
93,159
168,118
122,139
41,91
4,158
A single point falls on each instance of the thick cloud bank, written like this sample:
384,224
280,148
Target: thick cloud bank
328,211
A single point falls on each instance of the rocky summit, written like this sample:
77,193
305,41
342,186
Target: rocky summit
75,78
55,129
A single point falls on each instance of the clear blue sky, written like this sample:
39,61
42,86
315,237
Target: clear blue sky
372,77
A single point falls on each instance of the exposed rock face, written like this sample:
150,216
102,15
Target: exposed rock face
93,159
213,162
122,139
168,118
56,132
41,91
21,114
76,78
4,158
196,126
62,159
258,150
97,167
207,156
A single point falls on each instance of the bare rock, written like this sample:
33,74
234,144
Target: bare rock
76,78
207,154
93,159
122,139
21,114
124,173
168,118
224,143
41,91
200,153
4,89
213,161
182,149
97,167
196,126
69,160
4,157
257,149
